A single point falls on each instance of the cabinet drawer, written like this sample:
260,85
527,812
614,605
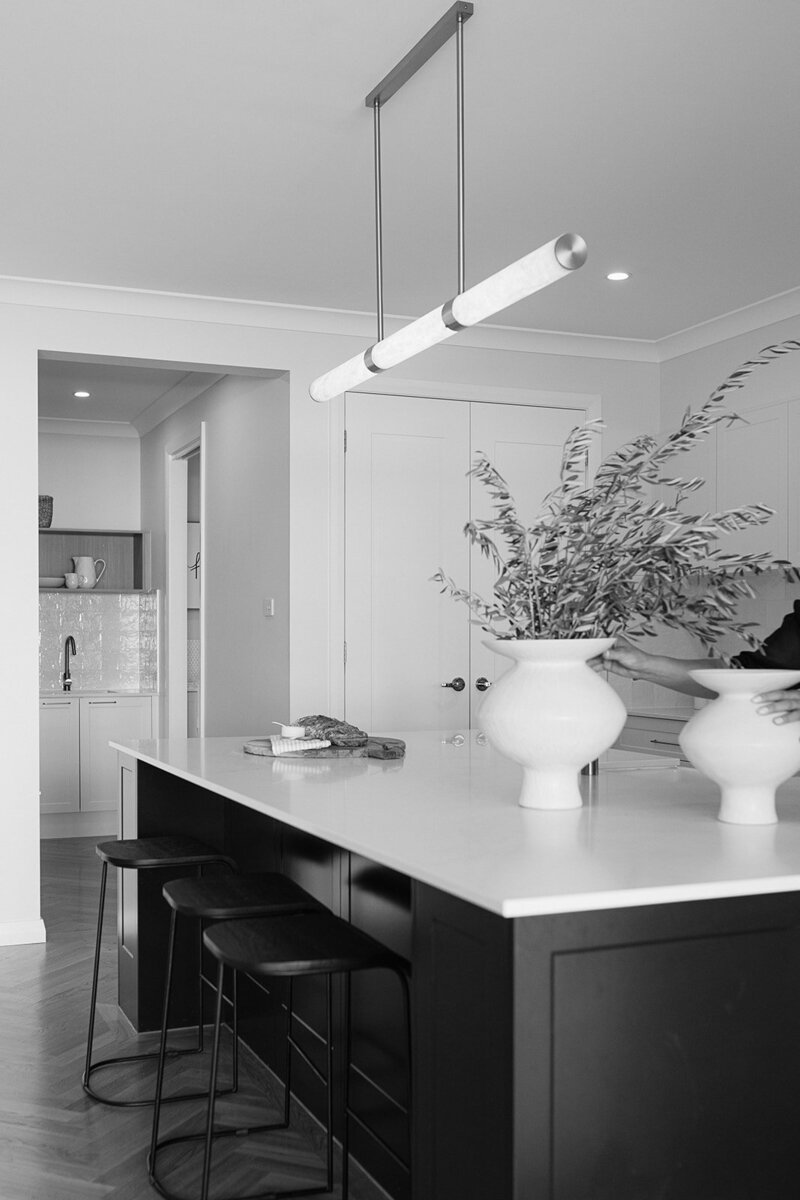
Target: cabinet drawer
652,735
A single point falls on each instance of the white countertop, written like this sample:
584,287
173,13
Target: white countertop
447,815
90,693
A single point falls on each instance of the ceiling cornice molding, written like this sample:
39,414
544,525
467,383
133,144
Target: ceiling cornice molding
73,428
261,314
46,293
783,307
194,385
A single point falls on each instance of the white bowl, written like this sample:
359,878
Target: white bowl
51,581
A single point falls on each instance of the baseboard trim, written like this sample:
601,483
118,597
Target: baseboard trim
22,933
80,824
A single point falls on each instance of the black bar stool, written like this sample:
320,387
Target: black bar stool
227,898
315,943
140,854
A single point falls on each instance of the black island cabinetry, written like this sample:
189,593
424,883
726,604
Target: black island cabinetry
633,1052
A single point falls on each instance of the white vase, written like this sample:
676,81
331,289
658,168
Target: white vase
742,751
552,714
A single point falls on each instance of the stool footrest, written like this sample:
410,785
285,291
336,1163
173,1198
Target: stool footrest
125,1059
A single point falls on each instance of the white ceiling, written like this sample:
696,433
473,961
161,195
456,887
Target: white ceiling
222,148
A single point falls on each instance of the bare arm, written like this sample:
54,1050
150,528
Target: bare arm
630,662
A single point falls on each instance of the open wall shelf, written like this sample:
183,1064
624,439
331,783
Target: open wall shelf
126,553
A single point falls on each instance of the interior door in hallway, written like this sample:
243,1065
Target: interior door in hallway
525,445
408,496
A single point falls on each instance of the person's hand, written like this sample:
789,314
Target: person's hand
623,658
783,706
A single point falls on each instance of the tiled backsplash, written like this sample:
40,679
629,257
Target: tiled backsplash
116,636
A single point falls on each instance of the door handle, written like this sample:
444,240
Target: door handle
456,684
483,684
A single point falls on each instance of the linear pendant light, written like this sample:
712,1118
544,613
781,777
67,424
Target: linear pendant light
469,306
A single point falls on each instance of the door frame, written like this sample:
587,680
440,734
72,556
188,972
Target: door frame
175,654
591,403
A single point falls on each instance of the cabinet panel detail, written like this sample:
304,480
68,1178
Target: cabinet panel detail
59,777
674,1063
101,720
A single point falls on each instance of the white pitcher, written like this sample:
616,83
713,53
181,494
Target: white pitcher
87,572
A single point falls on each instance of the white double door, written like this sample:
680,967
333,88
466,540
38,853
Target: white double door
407,498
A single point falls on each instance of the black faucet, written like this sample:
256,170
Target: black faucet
69,645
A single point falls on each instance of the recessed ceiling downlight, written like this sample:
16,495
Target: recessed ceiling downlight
81,395
617,276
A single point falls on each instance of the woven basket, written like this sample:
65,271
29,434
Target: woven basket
45,511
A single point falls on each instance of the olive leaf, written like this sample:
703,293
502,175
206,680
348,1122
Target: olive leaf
609,558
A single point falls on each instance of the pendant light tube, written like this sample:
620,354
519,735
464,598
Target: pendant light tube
514,283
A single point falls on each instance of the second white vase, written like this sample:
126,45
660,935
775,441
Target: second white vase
740,749
552,714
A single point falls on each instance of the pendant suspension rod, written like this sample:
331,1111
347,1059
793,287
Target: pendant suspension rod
460,138
376,111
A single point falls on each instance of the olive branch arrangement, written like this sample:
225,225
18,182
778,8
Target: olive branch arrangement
607,558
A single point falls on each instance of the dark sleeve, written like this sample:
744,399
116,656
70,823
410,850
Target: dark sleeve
780,650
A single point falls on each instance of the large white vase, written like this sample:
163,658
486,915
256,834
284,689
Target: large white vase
552,714
742,751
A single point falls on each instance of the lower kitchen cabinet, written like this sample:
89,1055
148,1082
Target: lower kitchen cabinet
652,735
101,720
77,768
59,755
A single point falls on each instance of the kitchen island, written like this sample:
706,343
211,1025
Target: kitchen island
603,999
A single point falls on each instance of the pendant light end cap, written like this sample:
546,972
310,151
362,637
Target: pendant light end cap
571,251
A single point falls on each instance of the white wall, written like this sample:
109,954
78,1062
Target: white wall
690,378
94,481
246,544
687,380
214,334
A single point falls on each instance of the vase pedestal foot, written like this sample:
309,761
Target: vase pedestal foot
554,789
743,805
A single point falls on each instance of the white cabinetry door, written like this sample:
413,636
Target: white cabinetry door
407,496
59,775
103,720
752,468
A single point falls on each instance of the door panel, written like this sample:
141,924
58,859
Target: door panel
408,497
525,445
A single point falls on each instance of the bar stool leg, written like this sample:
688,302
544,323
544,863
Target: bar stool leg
95,974
212,1086
348,1044
287,1090
235,1030
406,990
162,1049
329,1089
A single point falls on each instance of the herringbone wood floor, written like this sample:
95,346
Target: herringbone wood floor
56,1143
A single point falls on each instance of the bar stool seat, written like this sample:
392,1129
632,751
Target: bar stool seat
234,897
139,854
311,943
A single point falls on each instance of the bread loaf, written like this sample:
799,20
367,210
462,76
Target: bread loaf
338,733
